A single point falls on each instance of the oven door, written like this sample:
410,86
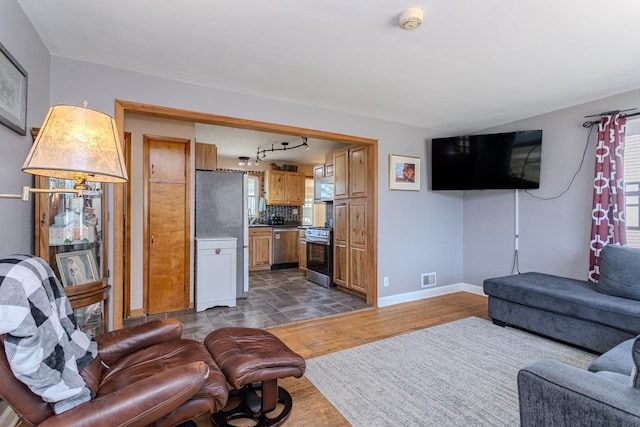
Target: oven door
319,256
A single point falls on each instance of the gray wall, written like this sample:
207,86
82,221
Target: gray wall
554,234
418,231
444,232
21,40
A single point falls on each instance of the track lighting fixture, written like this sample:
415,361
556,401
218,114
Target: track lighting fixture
262,152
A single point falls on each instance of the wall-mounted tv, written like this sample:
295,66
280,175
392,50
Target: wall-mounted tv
508,160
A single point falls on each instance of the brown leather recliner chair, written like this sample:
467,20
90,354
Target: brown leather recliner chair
144,375
153,378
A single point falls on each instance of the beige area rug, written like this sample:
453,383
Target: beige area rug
462,373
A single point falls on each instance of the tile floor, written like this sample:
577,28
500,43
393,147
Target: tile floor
276,297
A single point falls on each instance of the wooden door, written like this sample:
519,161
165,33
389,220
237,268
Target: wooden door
340,174
341,241
206,156
295,188
167,236
275,186
328,169
358,278
262,250
358,172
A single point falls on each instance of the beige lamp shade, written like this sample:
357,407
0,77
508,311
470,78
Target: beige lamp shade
77,143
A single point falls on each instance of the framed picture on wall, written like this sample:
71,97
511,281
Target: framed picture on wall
77,268
404,173
13,93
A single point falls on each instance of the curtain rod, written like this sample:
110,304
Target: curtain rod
590,123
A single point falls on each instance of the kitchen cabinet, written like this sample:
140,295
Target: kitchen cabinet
353,221
340,243
69,235
328,169
358,171
340,174
284,188
260,248
302,258
215,272
351,245
350,173
206,156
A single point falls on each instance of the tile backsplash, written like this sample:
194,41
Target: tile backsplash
284,211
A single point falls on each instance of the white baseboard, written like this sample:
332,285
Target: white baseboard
429,293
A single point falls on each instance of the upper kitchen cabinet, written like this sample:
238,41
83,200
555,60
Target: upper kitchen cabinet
284,188
328,169
206,156
318,175
322,184
350,172
340,174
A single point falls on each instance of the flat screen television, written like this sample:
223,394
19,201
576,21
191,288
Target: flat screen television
509,160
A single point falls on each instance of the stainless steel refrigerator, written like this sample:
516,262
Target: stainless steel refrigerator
221,211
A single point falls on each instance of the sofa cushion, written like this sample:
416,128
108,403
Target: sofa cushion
620,271
635,375
614,376
618,359
569,297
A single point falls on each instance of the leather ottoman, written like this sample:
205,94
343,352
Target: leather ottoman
253,360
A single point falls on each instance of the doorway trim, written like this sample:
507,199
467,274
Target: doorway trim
123,107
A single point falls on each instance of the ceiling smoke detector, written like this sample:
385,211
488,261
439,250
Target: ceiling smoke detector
410,19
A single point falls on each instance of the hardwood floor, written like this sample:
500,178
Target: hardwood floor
327,335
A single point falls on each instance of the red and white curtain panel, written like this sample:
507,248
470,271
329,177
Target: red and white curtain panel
608,220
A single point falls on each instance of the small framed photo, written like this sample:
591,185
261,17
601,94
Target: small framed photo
404,173
77,268
13,93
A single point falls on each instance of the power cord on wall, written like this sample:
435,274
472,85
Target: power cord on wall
515,267
516,264
584,152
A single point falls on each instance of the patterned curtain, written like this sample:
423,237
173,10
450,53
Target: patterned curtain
608,223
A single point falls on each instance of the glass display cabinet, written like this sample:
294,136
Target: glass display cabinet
70,236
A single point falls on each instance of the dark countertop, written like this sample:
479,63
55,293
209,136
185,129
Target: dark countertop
277,226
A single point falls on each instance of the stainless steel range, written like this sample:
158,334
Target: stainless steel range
320,255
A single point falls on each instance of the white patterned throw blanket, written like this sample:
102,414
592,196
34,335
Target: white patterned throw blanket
44,346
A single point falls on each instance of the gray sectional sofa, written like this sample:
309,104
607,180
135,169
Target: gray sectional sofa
552,393
594,316
603,317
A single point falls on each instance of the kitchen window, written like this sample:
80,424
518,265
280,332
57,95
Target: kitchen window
253,195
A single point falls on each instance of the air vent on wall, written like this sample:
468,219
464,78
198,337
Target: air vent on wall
428,280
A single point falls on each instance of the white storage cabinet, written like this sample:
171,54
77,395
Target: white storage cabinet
215,272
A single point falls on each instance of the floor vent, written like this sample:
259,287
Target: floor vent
428,280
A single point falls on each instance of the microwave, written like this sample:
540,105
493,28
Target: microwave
326,189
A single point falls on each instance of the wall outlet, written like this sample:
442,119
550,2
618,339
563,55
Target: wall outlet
386,281
428,280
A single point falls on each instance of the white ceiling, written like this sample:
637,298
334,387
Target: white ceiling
233,142
470,66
